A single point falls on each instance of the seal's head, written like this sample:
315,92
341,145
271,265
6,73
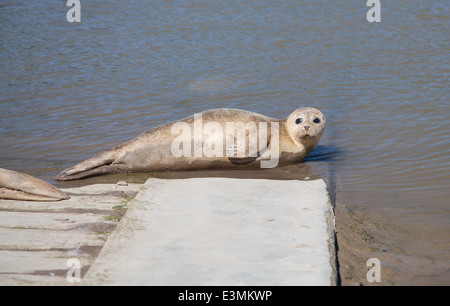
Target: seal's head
306,125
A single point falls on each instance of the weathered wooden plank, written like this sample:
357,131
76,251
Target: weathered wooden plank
13,279
39,262
47,239
43,220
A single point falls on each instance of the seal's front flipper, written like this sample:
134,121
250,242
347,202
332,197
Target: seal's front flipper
247,149
241,161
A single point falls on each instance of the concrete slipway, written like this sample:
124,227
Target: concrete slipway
222,231
196,231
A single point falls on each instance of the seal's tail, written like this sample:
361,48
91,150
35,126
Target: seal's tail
102,163
20,186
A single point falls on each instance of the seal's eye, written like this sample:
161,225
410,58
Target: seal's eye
316,120
298,120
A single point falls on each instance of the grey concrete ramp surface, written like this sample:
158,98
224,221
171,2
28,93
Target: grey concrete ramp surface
221,231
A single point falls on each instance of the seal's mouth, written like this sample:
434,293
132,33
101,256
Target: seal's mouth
308,137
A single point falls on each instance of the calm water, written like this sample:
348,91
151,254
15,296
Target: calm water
70,90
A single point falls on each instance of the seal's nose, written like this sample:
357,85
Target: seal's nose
306,127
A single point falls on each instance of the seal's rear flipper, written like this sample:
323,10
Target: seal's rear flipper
102,163
12,194
107,169
20,186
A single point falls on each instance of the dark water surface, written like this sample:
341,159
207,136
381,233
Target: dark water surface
69,90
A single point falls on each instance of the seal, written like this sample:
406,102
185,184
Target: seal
214,139
20,186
